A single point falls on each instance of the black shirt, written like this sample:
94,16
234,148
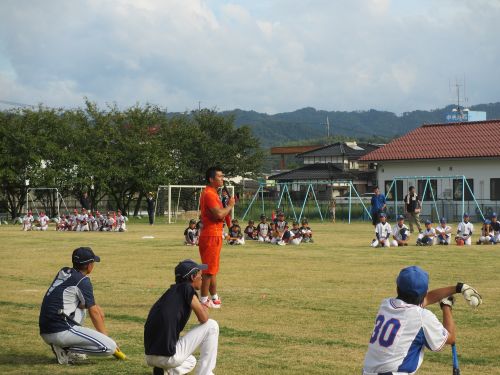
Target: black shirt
167,318
411,201
151,203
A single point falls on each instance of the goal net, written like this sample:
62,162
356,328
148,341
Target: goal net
48,200
180,203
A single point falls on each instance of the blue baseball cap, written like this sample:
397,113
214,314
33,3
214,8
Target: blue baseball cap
401,217
84,255
487,221
466,215
494,214
428,222
382,214
413,281
443,220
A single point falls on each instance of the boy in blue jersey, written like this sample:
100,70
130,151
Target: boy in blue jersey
64,308
403,327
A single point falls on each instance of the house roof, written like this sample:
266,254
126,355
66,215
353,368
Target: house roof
292,149
349,149
324,171
477,139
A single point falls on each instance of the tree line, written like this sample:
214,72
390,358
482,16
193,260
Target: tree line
116,153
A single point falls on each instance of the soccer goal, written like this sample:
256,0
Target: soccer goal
48,200
181,202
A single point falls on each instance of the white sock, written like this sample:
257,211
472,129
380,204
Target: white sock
215,297
203,299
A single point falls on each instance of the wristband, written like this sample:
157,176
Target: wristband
458,288
444,304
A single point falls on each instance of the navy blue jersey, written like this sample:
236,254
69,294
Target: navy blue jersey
69,290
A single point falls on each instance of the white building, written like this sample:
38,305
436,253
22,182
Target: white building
470,149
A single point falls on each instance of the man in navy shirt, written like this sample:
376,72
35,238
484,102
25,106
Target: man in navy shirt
165,350
64,308
378,205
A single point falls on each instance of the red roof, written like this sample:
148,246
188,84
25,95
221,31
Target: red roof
478,139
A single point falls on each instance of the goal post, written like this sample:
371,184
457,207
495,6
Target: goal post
181,201
44,199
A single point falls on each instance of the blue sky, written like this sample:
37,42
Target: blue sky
269,56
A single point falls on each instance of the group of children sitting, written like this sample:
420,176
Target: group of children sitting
276,232
83,221
441,235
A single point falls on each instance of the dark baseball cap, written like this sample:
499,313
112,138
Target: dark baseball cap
401,217
84,255
187,266
413,281
382,214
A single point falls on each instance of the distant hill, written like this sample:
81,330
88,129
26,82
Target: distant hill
309,123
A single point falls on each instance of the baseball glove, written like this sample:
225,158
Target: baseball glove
470,294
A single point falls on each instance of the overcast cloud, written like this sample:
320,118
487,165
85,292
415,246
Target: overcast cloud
270,56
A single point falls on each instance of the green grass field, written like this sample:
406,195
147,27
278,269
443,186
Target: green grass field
286,310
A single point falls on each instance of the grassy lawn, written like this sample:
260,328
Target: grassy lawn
286,310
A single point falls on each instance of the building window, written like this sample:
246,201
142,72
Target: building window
428,194
457,189
398,186
495,189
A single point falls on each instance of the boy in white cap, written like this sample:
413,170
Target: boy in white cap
443,232
426,238
495,225
400,233
464,231
403,327
383,232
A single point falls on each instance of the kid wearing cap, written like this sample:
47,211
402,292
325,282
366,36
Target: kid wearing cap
426,238
121,225
400,233
295,234
191,234
443,232
487,234
28,221
383,232
235,236
404,328
464,232
305,229
64,308
165,349
263,229
44,221
250,231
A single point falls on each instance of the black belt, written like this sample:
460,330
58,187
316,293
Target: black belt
385,373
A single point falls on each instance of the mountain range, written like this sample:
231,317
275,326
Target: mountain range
310,123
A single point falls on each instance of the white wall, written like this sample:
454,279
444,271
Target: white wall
481,170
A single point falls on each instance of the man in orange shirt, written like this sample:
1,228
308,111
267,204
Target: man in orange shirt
210,240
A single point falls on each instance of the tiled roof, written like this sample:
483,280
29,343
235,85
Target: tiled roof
478,139
348,149
326,171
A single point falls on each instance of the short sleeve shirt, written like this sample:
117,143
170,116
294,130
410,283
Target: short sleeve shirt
68,291
166,319
211,225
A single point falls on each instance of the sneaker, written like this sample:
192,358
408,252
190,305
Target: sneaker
61,354
76,357
216,303
209,304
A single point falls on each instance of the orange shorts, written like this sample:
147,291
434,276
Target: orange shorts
210,247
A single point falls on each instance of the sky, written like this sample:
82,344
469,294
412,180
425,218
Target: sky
267,56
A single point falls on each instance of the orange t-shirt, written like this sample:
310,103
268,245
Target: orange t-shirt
210,199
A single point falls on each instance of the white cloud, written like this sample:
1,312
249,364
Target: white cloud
272,56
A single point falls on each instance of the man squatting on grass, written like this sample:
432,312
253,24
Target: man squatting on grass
63,310
403,327
210,241
165,350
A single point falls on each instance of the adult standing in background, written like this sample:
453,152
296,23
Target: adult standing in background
413,204
210,241
85,201
151,207
378,204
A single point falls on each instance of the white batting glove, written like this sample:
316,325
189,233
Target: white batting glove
448,301
470,294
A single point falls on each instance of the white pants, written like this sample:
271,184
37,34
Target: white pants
295,241
485,239
26,227
81,339
377,243
467,241
446,238
82,228
121,228
206,337
394,243
263,239
430,243
94,226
